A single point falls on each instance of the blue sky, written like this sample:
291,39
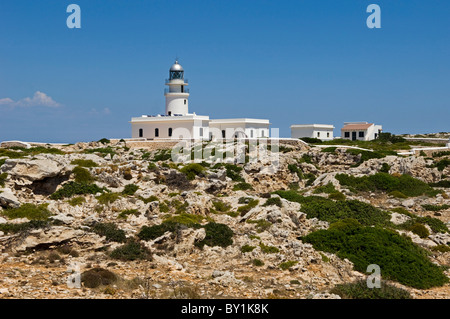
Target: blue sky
293,62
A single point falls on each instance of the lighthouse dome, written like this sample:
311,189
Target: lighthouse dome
176,67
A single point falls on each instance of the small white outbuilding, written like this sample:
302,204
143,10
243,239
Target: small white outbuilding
323,132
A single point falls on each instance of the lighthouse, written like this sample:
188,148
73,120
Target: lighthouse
176,94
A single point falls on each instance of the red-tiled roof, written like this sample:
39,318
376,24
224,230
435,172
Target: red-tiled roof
350,127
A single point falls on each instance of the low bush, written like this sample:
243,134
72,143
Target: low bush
130,189
162,155
268,249
84,163
405,184
398,257
359,290
149,199
8,228
295,170
132,250
337,196
442,164
103,151
221,206
440,154
311,140
273,201
155,231
397,194
192,170
385,168
104,141
420,230
441,248
107,198
364,155
261,224
331,149
125,213
242,186
82,175
327,189
29,211
73,188
246,208
288,264
96,277
216,235
257,262
443,183
3,178
76,201
247,248
110,231
435,208
189,220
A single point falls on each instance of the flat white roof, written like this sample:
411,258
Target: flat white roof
329,126
173,118
240,120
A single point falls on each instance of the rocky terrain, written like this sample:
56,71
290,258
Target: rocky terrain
137,225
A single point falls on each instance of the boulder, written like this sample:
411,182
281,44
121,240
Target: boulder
8,199
46,237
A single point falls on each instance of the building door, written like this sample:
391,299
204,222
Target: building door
353,136
141,132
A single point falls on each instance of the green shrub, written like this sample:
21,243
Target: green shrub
30,211
398,258
261,224
288,264
221,206
440,154
295,170
96,277
435,224
311,140
107,198
162,155
268,249
8,228
132,250
75,201
257,262
329,149
441,248
189,220
192,170
110,231
242,186
73,188
443,183
82,175
233,172
127,212
149,199
359,290
84,163
273,201
163,208
420,230
365,155
337,196
247,248
405,184
442,164
328,189
130,189
103,151
3,178
155,231
397,194
435,208
246,208
104,141
332,211
216,235
385,168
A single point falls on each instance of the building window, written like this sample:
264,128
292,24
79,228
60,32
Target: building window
223,133
141,132
201,131
170,113
251,133
156,132
262,133
318,134
170,132
361,134
328,134
185,102
347,134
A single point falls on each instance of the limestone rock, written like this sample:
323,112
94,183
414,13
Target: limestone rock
53,235
8,199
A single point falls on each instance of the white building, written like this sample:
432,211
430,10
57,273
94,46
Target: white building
320,131
361,131
178,123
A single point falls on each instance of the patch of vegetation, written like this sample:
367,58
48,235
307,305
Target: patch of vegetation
132,250
130,189
295,170
246,208
441,165
104,141
311,140
155,231
336,196
397,194
359,290
189,220
405,184
247,248
216,235
82,175
96,277
435,208
162,155
385,168
3,178
261,224
332,211
84,163
443,183
221,206
366,155
399,258
73,188
288,264
107,198
331,149
149,199
306,158
243,186
420,230
76,201
192,170
22,227
127,212
110,231
29,211
273,201
268,249
439,248
327,189
152,167
440,154
257,262
164,208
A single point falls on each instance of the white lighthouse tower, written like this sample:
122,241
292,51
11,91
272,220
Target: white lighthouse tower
177,94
